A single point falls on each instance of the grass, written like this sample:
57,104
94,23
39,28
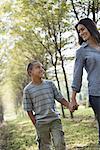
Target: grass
80,133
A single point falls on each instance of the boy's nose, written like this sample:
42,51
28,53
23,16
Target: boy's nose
42,69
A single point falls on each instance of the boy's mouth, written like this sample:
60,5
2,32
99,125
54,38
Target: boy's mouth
41,73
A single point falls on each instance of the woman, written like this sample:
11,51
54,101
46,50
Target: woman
88,57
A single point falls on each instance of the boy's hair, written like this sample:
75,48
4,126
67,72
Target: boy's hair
30,66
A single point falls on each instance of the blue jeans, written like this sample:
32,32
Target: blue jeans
95,104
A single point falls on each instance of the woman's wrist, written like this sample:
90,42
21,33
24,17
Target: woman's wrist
74,96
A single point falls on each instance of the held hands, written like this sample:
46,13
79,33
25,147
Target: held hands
73,106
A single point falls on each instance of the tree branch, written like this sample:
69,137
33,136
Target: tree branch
88,10
74,10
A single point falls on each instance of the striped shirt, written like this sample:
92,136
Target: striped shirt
41,99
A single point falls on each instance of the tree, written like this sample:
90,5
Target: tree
86,8
35,30
1,112
53,26
18,51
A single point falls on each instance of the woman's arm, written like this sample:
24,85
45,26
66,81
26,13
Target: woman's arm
77,76
78,71
74,93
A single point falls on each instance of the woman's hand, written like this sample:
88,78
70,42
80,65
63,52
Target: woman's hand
74,103
72,106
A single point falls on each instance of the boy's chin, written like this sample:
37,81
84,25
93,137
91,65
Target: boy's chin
42,76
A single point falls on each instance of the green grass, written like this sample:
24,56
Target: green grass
80,133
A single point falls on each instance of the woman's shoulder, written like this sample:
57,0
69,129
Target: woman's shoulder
81,50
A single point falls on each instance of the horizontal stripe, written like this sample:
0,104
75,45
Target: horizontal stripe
42,98
39,96
39,90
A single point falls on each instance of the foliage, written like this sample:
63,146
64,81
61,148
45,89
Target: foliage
80,133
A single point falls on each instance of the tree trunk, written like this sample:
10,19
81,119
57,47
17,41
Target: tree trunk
62,108
65,78
1,113
93,11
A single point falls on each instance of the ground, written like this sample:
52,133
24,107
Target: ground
80,132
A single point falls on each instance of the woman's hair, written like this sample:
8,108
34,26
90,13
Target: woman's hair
91,26
30,66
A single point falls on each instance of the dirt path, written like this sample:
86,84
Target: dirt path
4,136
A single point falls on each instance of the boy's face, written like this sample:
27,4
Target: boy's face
37,70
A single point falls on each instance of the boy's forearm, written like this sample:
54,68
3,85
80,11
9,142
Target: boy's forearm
65,103
32,117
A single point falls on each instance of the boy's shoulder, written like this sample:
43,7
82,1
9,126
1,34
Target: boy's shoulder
48,81
27,87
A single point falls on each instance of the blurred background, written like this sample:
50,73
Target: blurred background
42,30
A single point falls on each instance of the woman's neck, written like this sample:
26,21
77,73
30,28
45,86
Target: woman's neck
37,81
92,42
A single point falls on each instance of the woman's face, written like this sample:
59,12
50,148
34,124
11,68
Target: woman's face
83,32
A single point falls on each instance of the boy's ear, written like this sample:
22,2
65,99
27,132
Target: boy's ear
30,72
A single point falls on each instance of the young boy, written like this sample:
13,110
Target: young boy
39,97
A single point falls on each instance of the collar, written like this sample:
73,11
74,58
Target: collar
84,44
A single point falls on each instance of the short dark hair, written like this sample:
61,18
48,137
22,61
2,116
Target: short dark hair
30,66
91,26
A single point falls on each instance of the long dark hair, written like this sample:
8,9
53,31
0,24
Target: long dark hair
91,26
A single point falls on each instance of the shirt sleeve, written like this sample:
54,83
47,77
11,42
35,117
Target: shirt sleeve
27,103
57,94
78,72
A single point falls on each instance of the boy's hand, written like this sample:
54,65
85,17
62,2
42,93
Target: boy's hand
32,117
72,107
75,105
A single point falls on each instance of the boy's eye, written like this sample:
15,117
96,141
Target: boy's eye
38,67
43,67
